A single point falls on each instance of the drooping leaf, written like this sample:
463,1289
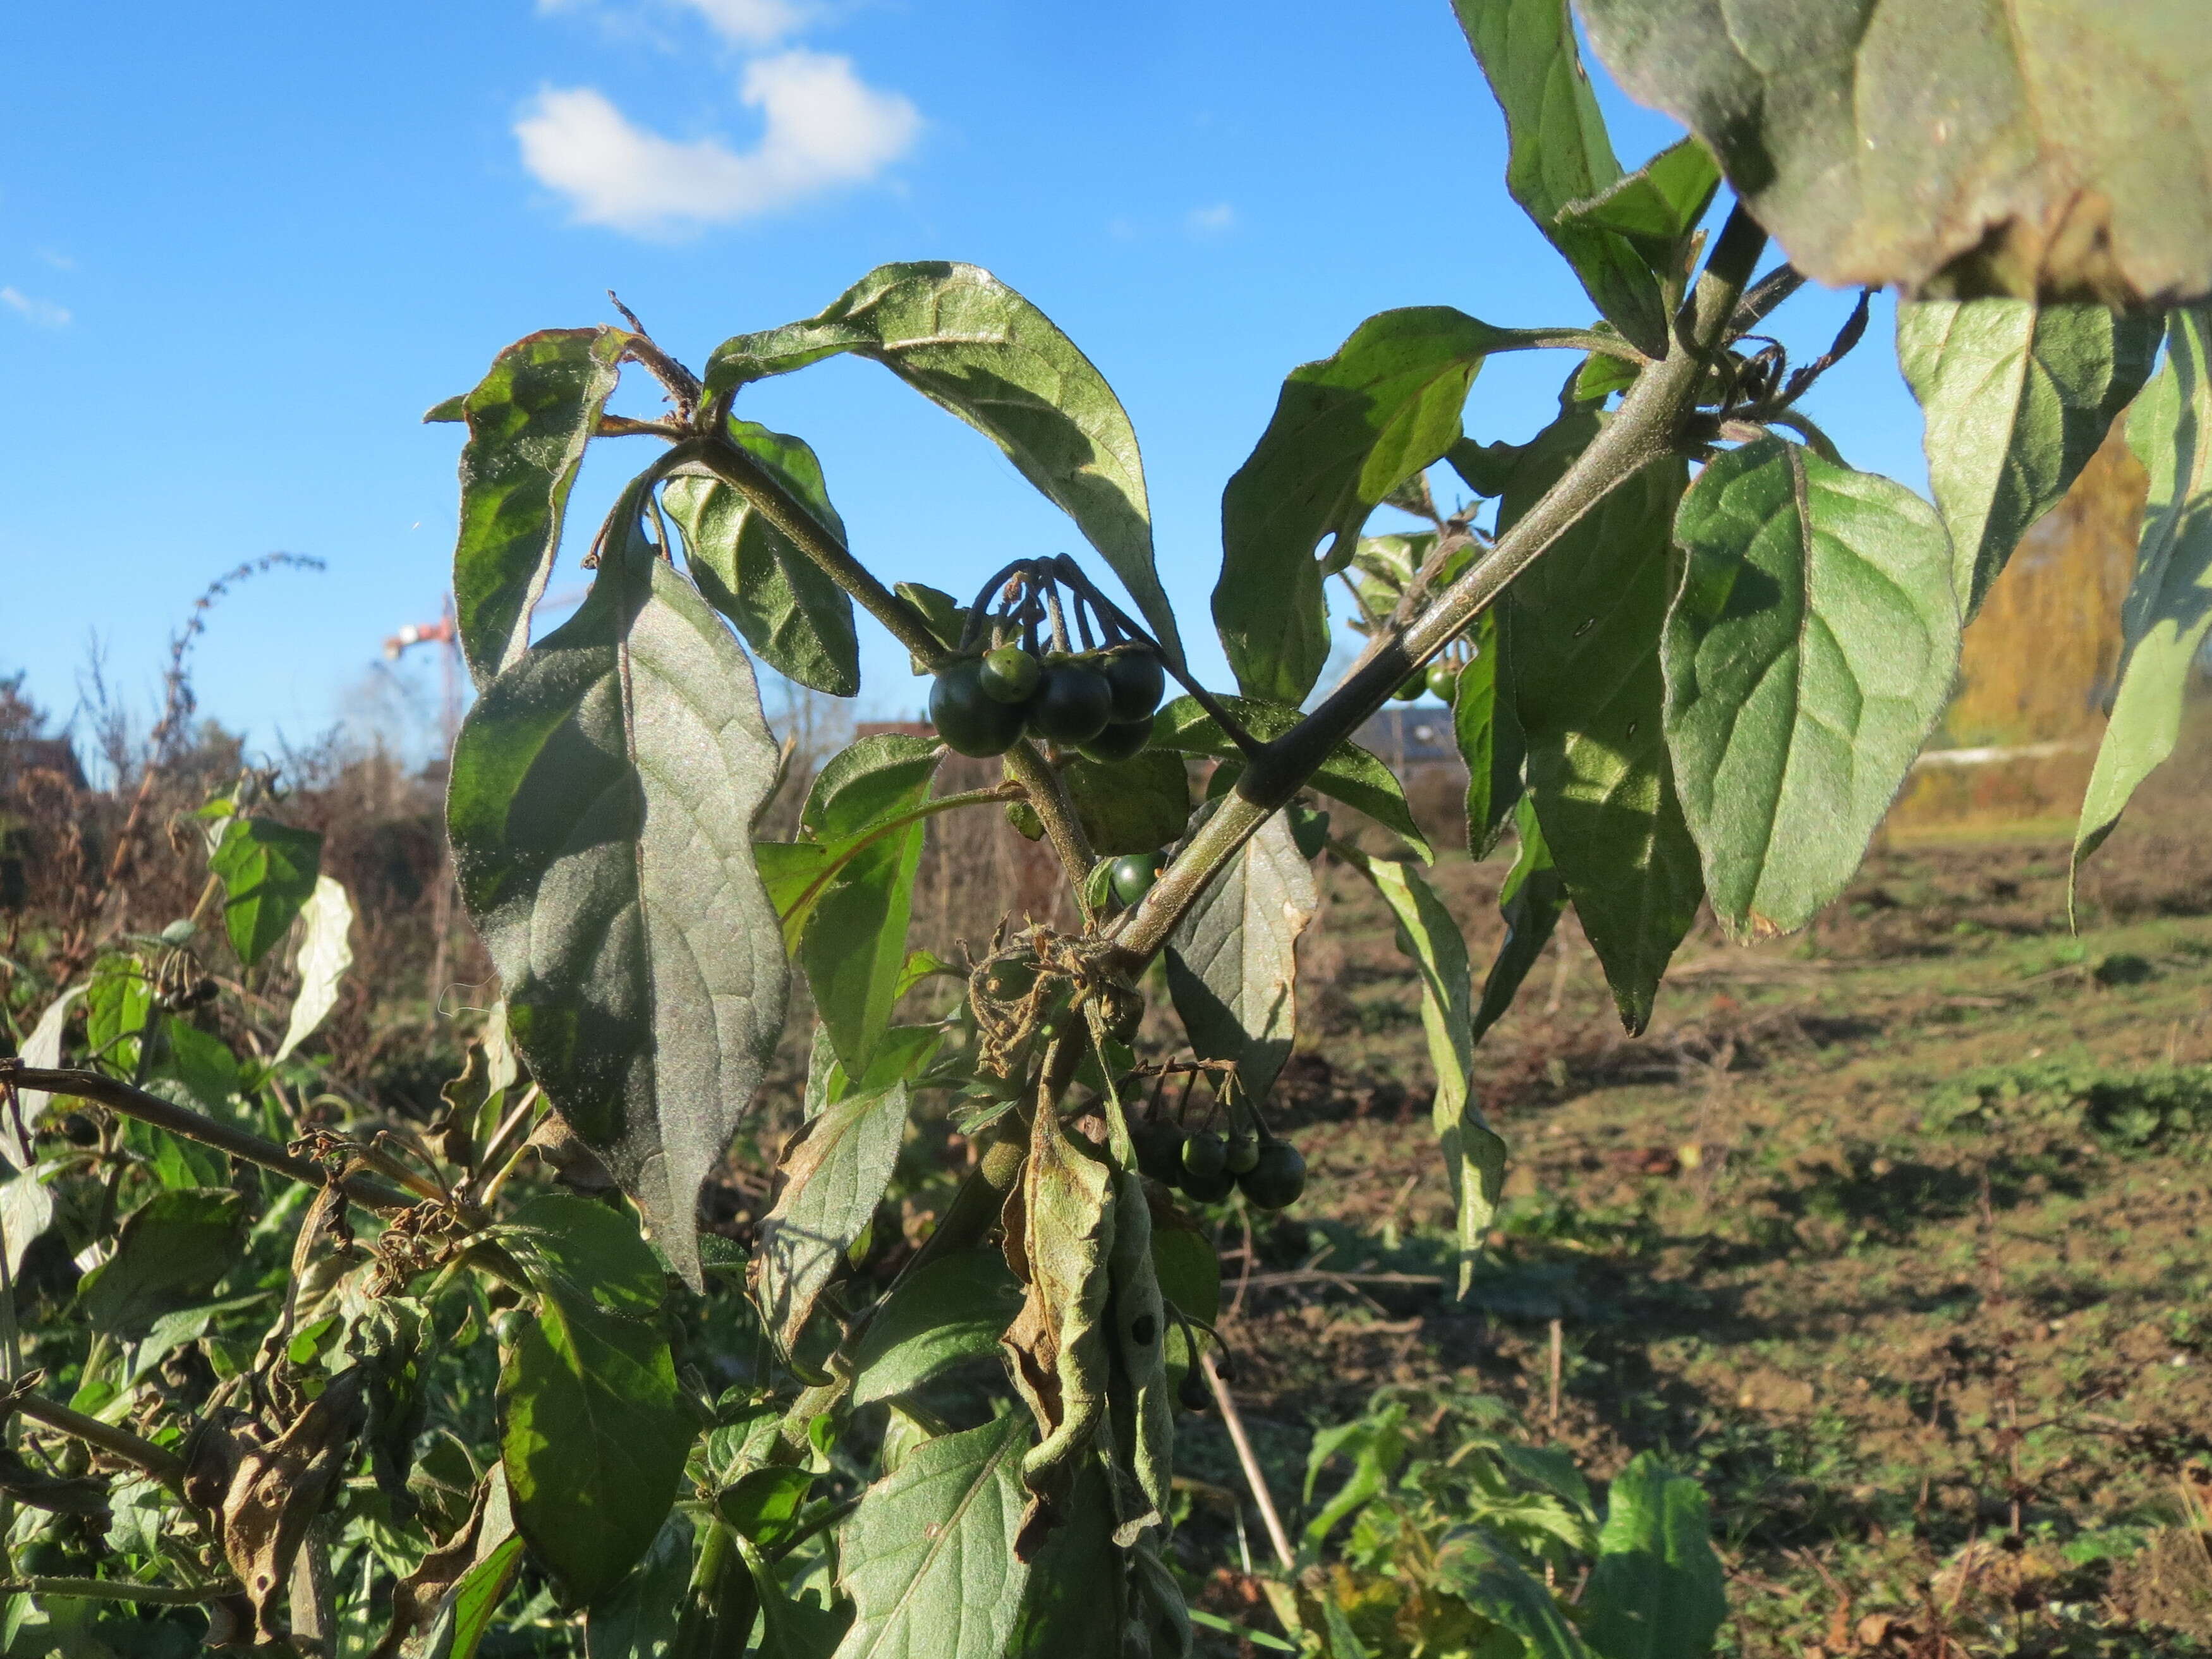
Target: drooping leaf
1475,1566
928,1557
1347,431
593,1431
172,1249
834,1178
268,874
26,1210
2017,397
602,796
951,1309
1951,147
1558,153
1232,960
789,611
529,420
1350,774
1475,1156
2169,604
1654,207
1135,805
969,343
1657,1591
325,954
1075,1599
41,1051
1488,734
638,1618
1581,644
1811,651
452,1597
1531,901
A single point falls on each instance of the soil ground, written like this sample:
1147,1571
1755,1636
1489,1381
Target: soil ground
1893,1232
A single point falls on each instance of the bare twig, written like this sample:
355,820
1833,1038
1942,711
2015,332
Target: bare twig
163,1465
1250,1463
116,1589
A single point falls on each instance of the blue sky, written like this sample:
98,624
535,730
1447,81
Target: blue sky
241,251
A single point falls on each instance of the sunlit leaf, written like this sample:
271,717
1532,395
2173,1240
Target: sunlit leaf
325,953
1811,651
1477,1567
267,872
1657,1591
1949,147
969,343
951,1309
2017,397
1531,900
834,1178
602,796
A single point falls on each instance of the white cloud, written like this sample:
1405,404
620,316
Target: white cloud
1213,220
55,257
745,22
824,128
45,312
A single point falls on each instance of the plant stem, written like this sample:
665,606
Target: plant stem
116,1589
121,1098
1247,1461
1643,429
165,1466
1048,795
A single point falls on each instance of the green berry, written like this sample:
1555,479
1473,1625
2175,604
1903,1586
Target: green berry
1244,1151
1277,1177
1133,876
1204,1156
1121,740
1159,1150
1412,687
1010,674
1208,1189
970,720
1443,680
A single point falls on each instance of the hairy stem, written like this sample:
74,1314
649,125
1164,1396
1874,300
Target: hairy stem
124,1101
1048,795
1644,429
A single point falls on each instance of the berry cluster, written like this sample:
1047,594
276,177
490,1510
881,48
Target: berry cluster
1205,1164
1019,672
1440,679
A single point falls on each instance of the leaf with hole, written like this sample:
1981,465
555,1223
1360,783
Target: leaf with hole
790,611
529,419
2016,397
970,344
602,790
1810,654
1953,148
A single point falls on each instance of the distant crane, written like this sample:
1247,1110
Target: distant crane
445,633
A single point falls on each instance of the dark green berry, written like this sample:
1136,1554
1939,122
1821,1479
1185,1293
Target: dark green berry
1121,740
1243,1152
1137,681
1443,680
970,720
1009,674
1277,1177
1204,1156
1208,1189
1072,704
1412,686
1133,876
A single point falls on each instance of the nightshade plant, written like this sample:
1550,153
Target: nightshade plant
1690,655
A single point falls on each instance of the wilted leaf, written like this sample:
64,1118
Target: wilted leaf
1951,147
41,1051
325,954
969,343
1558,153
1582,631
441,1610
268,872
1811,649
1347,431
928,1557
601,803
1480,1570
529,420
2169,604
26,1210
786,605
834,1178
1232,960
2017,397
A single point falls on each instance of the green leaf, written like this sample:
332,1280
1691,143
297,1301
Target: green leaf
1582,630
763,1505
324,956
790,1628
637,1620
1347,431
1232,960
118,1006
1654,207
2169,604
1474,1157
1531,901
1811,651
1489,738
970,344
268,874
26,1210
1657,1591
789,611
928,1557
1075,1604
1479,1569
834,1178
593,1432
951,1309
1350,774
529,420
172,1250
602,790
1950,146
1135,805
1558,153
1189,1276
2016,397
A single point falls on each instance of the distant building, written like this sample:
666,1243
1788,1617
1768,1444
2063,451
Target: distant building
1415,734
27,755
